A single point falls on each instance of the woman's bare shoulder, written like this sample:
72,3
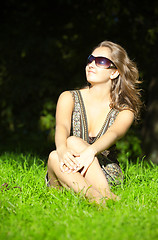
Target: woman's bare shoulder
124,120
68,95
126,114
65,96
65,100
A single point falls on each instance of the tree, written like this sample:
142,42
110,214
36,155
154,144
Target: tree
44,50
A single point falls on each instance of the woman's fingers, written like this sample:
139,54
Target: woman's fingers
72,161
71,157
74,157
86,166
62,166
84,170
68,163
75,154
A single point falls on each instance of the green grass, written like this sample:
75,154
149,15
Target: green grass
36,212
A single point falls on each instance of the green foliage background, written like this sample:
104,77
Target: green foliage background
43,51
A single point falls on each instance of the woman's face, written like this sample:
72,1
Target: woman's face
97,74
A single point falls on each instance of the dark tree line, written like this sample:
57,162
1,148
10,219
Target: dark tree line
43,51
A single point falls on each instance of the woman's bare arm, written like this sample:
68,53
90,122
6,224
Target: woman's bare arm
63,118
115,132
118,129
64,110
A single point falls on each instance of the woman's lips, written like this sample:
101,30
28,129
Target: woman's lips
90,71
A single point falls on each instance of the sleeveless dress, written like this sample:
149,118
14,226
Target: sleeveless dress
79,128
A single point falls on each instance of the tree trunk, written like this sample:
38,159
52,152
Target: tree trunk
150,126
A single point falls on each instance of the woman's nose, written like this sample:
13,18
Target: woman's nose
92,63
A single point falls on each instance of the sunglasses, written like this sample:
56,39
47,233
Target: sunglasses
101,62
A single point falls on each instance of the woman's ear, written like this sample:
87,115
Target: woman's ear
114,74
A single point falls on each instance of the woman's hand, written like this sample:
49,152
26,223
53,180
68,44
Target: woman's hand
85,159
68,160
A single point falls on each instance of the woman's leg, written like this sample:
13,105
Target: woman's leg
94,174
94,184
53,180
74,181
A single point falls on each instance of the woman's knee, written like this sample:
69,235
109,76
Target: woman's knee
52,158
71,140
74,142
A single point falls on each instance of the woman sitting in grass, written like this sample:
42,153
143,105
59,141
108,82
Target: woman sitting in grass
89,121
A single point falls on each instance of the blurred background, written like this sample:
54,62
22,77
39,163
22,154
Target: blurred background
43,50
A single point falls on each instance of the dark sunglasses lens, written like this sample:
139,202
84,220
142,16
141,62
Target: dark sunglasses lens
102,62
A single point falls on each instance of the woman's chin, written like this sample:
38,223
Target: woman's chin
91,81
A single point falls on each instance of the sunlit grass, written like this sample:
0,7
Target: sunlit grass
32,211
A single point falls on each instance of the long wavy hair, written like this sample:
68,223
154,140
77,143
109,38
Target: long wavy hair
125,92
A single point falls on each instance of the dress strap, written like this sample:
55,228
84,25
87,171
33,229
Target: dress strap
108,122
79,119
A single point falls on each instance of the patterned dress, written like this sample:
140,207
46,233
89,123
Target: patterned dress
108,158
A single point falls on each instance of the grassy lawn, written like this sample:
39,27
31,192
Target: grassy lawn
29,210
